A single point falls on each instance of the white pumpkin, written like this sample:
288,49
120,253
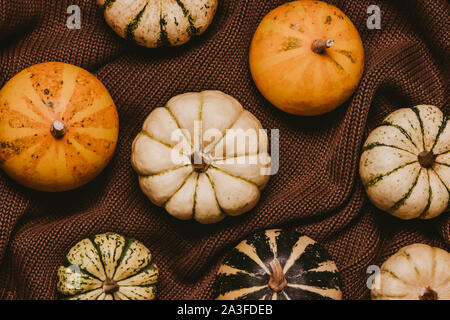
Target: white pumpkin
202,156
405,163
416,272
156,23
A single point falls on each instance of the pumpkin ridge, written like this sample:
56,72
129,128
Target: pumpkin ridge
401,129
149,265
378,144
182,185
379,177
405,197
417,112
76,297
192,30
441,129
178,124
195,197
163,35
68,264
215,194
163,172
126,246
226,131
234,176
430,195
393,275
443,164
100,256
134,24
145,133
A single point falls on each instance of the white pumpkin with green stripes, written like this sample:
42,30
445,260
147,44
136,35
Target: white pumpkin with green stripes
278,265
415,272
405,163
156,23
202,157
108,267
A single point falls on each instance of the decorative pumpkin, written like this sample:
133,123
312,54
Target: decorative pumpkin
108,267
405,163
58,127
306,57
202,156
278,265
416,272
155,23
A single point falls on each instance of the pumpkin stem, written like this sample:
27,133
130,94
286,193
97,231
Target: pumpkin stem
426,159
110,286
429,294
58,129
199,163
277,280
319,46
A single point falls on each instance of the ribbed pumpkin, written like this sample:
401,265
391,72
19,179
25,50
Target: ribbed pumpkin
306,57
202,157
156,23
278,265
108,267
415,272
58,127
405,163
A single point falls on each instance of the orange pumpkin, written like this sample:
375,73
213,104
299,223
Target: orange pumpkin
58,127
306,57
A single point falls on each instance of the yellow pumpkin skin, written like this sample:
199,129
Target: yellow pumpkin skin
68,158
290,74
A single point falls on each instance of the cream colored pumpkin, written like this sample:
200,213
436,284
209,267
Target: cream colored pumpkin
405,163
202,156
416,272
156,23
108,267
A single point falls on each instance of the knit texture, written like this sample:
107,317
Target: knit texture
317,190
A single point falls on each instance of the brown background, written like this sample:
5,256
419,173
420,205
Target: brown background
317,190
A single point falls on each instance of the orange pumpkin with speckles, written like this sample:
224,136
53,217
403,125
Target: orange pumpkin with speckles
58,127
306,57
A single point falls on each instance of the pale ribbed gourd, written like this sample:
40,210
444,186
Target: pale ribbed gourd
202,157
108,267
405,163
156,23
415,272
278,265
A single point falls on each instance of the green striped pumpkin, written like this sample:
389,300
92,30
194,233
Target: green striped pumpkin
108,267
405,163
156,23
278,265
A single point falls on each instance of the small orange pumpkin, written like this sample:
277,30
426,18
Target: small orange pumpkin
58,127
306,57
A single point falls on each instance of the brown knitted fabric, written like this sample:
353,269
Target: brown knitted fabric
317,190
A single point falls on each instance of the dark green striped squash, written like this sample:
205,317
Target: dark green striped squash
108,267
278,265
405,163
156,23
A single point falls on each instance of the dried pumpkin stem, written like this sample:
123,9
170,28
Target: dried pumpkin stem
427,159
429,294
319,46
277,281
58,129
110,286
199,163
